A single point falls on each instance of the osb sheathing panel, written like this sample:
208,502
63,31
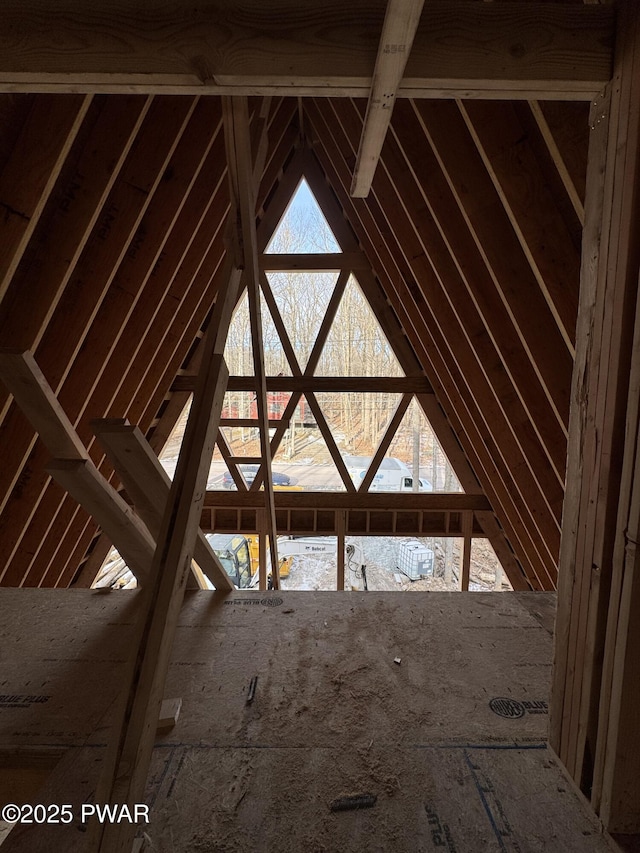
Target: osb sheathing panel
333,715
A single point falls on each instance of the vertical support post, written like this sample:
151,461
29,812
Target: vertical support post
340,529
262,551
465,566
595,686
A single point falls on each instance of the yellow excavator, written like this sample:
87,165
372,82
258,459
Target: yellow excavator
239,555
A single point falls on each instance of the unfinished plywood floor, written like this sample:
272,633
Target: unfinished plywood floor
450,741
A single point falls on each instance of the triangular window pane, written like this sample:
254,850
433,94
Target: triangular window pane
302,299
276,362
303,228
238,351
415,439
303,454
357,421
356,345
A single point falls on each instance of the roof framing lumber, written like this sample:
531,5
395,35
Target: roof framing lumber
71,466
29,177
86,485
595,681
193,285
461,49
127,762
488,222
531,209
398,32
390,315
447,388
308,383
148,484
243,181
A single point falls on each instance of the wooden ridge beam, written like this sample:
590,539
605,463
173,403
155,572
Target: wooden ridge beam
398,32
461,49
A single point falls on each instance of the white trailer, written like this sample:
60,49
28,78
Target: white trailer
393,475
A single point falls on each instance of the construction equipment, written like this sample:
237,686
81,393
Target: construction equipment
239,555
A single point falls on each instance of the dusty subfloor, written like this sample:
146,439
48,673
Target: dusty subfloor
450,740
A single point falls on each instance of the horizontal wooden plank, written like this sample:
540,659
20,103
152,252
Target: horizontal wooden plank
310,262
400,501
322,384
320,47
246,422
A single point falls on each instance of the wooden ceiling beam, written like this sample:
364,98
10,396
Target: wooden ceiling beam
461,49
398,32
